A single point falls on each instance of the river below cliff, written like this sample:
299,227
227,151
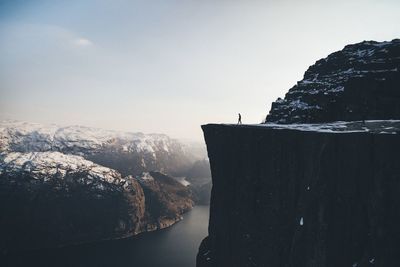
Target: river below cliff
176,246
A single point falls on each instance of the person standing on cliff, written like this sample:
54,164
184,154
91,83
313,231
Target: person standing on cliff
239,119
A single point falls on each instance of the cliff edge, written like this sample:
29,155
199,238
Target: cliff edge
316,195
318,184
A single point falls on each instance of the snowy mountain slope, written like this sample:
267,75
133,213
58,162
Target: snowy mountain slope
47,165
66,185
130,153
368,126
24,137
50,199
359,82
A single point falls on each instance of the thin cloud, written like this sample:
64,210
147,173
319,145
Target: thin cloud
82,42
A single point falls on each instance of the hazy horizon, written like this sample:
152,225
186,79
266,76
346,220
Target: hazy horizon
169,66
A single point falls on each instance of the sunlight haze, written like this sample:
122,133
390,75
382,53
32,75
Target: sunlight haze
169,66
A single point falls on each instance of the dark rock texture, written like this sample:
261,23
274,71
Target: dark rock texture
362,81
303,189
83,203
166,200
69,185
303,197
67,210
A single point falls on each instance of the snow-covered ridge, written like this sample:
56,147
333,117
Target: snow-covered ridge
335,77
369,126
96,169
28,137
47,151
145,177
49,165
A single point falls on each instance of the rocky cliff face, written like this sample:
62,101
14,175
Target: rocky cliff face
167,200
359,82
317,195
318,184
50,199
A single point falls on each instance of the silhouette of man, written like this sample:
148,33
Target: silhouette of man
240,119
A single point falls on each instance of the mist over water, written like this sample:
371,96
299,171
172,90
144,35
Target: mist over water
176,246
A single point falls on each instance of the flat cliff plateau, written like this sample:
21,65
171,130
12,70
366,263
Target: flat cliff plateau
304,195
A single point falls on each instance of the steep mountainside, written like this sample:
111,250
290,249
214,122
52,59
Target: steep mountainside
359,82
55,188
50,199
303,197
166,197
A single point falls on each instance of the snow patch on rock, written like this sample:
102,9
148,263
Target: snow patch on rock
55,165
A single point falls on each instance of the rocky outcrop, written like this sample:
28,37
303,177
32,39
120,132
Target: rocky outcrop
322,195
318,184
166,200
50,199
359,82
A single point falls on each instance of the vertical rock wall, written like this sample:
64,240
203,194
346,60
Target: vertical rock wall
294,198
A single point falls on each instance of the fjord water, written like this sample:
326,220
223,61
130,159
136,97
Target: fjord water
176,246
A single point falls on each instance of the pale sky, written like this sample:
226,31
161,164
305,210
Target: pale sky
169,66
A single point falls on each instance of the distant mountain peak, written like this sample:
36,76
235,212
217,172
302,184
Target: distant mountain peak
134,152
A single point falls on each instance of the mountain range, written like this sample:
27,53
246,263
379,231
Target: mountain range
75,184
